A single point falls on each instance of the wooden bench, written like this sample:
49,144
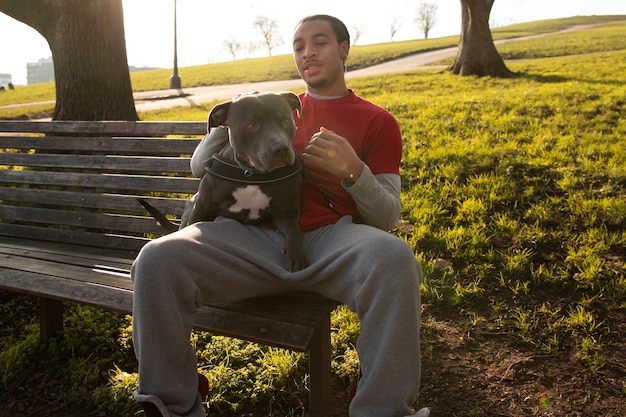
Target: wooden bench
71,225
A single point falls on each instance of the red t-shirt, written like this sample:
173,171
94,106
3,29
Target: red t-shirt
373,133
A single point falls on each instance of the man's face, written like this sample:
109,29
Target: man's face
319,57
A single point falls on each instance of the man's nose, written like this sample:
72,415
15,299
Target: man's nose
309,51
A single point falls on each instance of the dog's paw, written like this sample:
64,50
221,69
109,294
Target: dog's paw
295,262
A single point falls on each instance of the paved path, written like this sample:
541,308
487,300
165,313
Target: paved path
198,95
152,100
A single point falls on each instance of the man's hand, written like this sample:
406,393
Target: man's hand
334,154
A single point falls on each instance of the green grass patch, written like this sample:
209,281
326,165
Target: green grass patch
33,93
597,39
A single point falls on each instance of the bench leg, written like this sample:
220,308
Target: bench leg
319,369
50,318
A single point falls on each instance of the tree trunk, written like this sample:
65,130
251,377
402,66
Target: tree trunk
88,47
477,54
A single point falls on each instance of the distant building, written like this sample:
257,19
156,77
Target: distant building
139,69
41,71
5,80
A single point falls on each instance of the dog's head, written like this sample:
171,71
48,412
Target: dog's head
261,127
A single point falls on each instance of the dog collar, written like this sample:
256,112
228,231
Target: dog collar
237,173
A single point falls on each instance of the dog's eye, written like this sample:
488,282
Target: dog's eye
252,125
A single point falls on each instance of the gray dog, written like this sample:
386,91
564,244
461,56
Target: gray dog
254,176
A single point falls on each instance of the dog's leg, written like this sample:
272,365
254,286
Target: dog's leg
184,220
200,207
288,225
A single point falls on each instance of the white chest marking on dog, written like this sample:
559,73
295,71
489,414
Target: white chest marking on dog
250,198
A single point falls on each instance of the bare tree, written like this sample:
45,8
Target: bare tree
426,17
233,46
357,32
268,28
477,54
394,25
88,47
252,47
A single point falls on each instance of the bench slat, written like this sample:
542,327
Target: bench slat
115,261
93,145
77,237
113,202
101,254
103,163
81,219
84,274
60,288
137,183
125,128
257,329
303,308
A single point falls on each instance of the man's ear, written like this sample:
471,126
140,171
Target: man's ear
344,50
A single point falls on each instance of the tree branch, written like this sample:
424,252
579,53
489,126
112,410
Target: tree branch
34,13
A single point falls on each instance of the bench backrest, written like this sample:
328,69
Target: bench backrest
78,182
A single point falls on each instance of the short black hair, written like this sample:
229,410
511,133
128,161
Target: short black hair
341,32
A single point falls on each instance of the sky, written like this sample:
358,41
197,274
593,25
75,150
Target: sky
204,25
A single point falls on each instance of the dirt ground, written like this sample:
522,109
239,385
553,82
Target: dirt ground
469,369
472,370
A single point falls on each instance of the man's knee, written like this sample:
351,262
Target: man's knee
391,250
153,259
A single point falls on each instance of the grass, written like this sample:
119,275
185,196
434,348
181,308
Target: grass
599,39
514,199
520,185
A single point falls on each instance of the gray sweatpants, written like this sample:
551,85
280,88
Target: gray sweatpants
373,272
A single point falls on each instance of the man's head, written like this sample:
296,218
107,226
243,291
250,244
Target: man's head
341,32
321,44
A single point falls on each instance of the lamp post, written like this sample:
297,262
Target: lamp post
175,82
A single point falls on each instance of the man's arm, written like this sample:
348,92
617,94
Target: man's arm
211,144
377,198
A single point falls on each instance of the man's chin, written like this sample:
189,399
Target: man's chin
316,83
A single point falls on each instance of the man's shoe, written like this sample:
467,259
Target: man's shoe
424,412
150,410
151,405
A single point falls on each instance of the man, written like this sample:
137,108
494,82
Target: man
350,199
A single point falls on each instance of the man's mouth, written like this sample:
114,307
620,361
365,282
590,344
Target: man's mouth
311,68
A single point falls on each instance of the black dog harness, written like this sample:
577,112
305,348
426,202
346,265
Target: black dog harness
239,173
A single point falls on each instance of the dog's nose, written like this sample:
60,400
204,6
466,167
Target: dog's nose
280,150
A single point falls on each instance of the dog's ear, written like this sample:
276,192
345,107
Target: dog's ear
293,100
217,115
